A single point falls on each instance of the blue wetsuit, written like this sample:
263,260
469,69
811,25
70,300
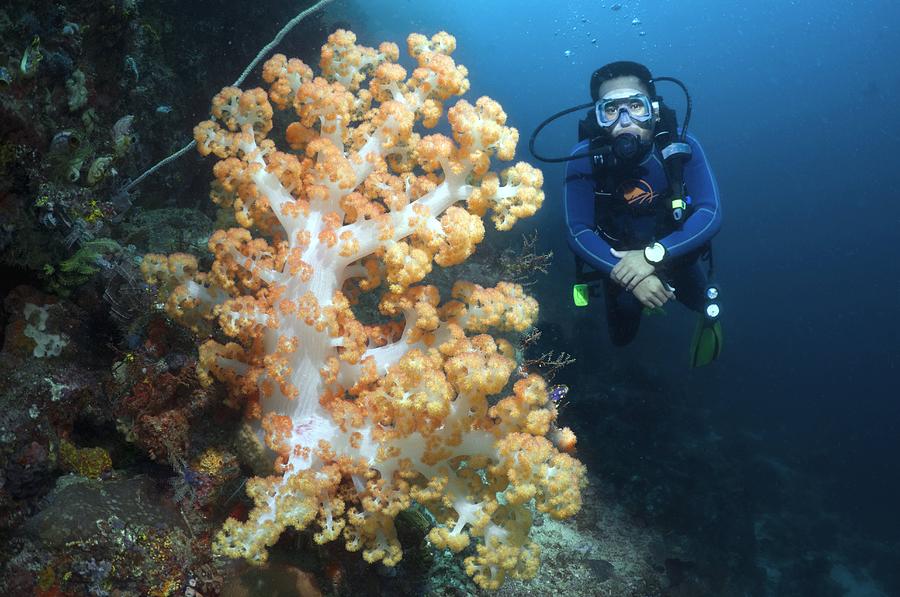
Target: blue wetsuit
633,216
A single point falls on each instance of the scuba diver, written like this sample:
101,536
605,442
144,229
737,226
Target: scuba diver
641,207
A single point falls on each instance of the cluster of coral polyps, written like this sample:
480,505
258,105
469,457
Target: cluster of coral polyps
362,420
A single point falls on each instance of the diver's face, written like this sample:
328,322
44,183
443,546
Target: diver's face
624,87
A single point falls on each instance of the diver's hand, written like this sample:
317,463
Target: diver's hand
631,269
652,292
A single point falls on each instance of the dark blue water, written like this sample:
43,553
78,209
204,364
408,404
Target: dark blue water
794,104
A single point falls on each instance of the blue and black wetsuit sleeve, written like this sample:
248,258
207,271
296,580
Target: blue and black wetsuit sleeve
578,203
705,218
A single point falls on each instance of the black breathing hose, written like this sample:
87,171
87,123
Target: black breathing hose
687,112
548,121
682,135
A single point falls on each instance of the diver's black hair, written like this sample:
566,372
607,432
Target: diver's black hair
622,68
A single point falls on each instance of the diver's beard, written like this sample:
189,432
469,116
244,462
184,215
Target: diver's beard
645,133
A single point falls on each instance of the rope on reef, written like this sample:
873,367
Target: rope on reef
253,63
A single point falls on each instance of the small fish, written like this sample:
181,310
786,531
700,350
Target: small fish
31,58
642,33
558,392
616,7
635,21
567,53
163,109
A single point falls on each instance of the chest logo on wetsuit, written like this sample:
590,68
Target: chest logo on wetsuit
635,191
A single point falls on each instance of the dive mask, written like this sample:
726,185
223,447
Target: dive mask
625,106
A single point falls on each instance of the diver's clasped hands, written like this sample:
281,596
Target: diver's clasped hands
631,269
652,292
637,275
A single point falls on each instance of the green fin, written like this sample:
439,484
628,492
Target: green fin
654,311
580,294
707,343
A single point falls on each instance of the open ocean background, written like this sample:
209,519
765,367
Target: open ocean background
793,104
